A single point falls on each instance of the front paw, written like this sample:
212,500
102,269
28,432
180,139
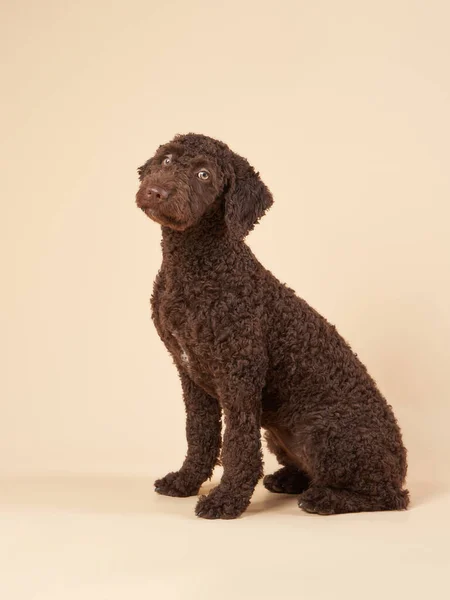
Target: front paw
177,484
221,504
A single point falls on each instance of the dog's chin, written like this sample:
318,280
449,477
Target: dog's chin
165,220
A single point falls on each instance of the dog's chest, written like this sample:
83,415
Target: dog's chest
184,324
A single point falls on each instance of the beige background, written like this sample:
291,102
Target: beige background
344,109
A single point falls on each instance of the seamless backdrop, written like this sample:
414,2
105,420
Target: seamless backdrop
344,109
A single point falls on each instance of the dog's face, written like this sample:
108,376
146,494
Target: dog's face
178,185
193,173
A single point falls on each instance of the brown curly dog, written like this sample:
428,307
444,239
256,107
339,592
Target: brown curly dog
245,344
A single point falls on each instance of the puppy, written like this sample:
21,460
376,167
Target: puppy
246,346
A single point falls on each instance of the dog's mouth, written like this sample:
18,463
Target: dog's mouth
164,220
149,211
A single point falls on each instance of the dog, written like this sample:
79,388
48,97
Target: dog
247,347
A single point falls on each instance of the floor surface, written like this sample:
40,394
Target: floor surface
110,537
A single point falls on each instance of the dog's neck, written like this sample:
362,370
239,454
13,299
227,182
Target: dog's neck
200,247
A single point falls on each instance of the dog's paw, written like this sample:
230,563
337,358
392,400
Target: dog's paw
317,501
176,484
287,481
220,504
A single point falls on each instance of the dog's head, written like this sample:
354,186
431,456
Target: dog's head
194,174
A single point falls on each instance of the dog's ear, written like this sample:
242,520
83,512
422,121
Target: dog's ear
141,170
246,198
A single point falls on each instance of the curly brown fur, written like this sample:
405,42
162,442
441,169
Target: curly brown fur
288,480
245,344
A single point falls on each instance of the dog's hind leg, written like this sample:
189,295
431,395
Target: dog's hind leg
358,464
331,501
287,480
290,479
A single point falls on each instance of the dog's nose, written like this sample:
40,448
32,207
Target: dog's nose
157,192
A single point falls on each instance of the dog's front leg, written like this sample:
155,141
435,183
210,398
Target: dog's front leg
203,433
241,455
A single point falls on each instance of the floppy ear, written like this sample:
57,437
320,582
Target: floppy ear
145,166
246,199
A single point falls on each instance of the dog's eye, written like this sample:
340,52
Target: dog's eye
167,160
204,175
